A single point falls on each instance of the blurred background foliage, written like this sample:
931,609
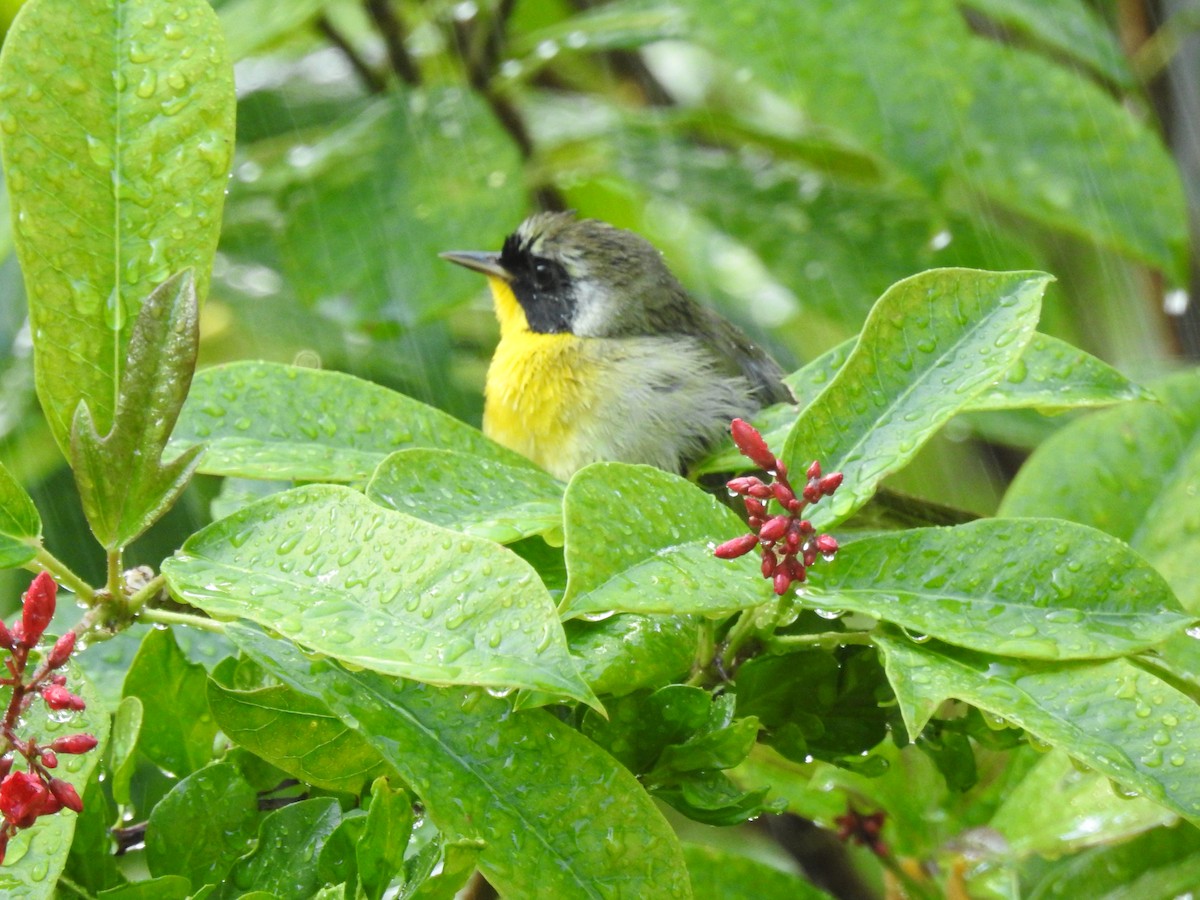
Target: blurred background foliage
791,160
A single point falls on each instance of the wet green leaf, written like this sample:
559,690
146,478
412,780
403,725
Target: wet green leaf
1110,715
295,732
482,769
626,653
20,524
931,344
327,568
472,493
177,730
277,422
168,887
123,483
1133,472
117,137
126,729
250,25
641,540
716,873
380,850
218,812
283,863
452,861
1032,588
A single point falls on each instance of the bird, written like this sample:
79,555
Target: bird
604,356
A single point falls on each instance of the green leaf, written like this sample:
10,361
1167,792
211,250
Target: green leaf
1111,715
177,730
126,729
20,524
36,856
614,26
283,864
1055,809
640,726
295,732
1132,472
641,540
117,134
123,483
1033,588
277,422
453,861
325,567
1063,26
930,345
252,25
481,769
716,873
337,862
380,850
626,653
168,887
471,493
218,812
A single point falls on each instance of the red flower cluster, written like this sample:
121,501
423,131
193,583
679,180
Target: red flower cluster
789,544
863,830
27,794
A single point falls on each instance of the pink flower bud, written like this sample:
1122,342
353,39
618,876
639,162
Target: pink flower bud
826,544
831,483
783,493
61,651
742,484
49,760
58,697
806,527
74,743
738,546
37,608
768,565
773,529
22,796
812,492
752,445
814,469
810,556
66,794
783,581
755,507
760,491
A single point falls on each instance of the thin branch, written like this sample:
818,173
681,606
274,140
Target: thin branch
373,83
392,30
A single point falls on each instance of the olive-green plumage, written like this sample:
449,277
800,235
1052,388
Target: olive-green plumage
604,356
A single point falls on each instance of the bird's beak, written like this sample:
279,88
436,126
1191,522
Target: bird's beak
486,263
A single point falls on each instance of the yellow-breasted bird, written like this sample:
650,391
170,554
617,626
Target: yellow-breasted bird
604,356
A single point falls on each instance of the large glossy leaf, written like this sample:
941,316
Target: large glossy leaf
20,524
641,540
471,493
1034,588
560,817
123,483
277,422
626,653
716,873
117,133
1133,472
932,343
328,569
1110,715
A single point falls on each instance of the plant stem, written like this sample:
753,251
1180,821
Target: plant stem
139,599
64,881
743,629
826,640
64,576
166,617
114,584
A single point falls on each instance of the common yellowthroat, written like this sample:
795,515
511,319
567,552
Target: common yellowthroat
604,356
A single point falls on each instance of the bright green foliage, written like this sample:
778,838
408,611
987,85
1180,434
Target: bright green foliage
734,877
323,566
117,126
20,524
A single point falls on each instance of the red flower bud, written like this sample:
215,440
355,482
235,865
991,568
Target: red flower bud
38,608
58,679
831,483
773,529
793,540
812,492
50,804
796,569
58,697
61,651
806,527
768,565
743,484
755,507
783,493
738,546
66,794
810,556
49,760
760,491
826,544
814,469
22,796
5,765
783,580
6,638
74,743
752,445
